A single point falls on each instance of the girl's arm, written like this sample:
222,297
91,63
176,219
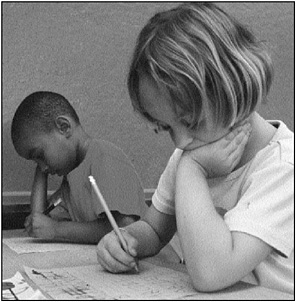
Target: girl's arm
215,257
144,238
39,191
153,232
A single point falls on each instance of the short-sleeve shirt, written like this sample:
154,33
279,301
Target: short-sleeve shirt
258,199
116,178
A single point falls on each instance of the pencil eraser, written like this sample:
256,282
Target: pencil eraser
91,179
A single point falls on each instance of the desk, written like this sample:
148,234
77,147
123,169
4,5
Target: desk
13,262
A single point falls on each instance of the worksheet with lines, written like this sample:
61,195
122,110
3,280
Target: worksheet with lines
93,283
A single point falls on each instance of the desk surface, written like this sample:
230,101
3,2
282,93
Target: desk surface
13,262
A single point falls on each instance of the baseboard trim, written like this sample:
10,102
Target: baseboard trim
22,198
16,207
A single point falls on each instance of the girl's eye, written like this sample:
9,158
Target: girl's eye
162,127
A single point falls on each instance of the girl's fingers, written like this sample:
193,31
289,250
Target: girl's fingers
236,133
110,264
234,158
232,134
112,256
238,145
239,139
130,241
236,155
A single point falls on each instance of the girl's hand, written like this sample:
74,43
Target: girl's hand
220,158
111,255
40,226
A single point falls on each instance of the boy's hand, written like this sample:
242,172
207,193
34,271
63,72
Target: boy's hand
111,255
220,158
40,226
122,220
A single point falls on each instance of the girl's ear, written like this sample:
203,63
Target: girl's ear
64,125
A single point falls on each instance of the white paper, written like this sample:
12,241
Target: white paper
24,245
20,290
93,283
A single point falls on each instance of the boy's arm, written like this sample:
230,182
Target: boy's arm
91,232
39,191
215,257
80,232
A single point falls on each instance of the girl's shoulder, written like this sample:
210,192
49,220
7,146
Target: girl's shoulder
276,158
282,143
277,154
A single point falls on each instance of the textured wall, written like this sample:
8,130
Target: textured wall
82,51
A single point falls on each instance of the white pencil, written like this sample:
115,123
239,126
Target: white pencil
109,214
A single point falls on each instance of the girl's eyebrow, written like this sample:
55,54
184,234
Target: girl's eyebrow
152,119
149,117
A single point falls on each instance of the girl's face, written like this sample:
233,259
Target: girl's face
53,152
157,107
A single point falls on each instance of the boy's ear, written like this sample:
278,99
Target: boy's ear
64,125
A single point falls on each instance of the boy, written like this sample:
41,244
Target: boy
47,130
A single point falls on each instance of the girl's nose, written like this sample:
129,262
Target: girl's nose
153,127
181,137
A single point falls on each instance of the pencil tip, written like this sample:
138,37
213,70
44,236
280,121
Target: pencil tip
137,267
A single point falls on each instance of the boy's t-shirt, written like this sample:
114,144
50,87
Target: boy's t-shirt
116,178
258,199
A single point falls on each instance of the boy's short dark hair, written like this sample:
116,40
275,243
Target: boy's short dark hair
39,111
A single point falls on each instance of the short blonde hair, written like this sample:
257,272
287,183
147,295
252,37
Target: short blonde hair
209,64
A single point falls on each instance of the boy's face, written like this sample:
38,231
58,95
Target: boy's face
158,107
53,152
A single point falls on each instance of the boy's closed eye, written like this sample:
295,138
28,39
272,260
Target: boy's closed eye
32,155
37,156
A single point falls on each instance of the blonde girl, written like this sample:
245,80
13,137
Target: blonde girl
200,75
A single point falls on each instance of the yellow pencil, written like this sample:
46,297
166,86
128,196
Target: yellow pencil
109,215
